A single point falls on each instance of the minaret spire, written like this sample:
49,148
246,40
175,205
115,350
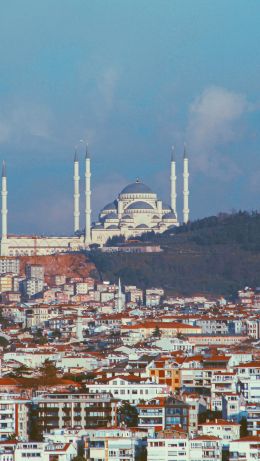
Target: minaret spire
173,183
4,246
76,179
119,297
88,198
3,169
186,192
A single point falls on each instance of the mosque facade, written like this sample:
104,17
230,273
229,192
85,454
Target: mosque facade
136,210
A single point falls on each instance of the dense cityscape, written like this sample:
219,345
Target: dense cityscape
129,230
100,371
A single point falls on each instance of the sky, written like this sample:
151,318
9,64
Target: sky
133,78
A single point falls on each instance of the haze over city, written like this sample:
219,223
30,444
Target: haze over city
85,70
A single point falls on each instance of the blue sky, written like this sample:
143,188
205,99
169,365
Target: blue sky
133,77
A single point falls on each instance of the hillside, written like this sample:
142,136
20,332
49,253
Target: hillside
71,265
217,255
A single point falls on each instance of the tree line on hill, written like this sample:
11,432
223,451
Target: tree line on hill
217,255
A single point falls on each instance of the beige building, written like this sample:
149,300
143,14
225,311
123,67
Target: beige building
6,283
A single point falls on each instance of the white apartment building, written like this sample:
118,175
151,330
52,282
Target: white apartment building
223,382
253,418
32,286
13,416
245,449
173,344
133,390
224,430
233,406
114,444
253,328
205,448
167,448
249,381
42,451
31,358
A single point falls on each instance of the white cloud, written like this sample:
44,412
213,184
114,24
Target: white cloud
107,85
23,120
213,122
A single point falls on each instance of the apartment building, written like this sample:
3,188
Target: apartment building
131,388
114,444
9,265
6,282
253,418
34,271
44,451
14,411
172,446
225,430
248,375
61,410
163,413
165,371
245,449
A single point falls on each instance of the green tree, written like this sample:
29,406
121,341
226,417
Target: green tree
35,430
157,332
209,415
127,414
21,371
48,372
79,458
115,240
12,436
56,333
3,342
142,455
243,428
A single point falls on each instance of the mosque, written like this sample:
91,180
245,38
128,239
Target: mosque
135,211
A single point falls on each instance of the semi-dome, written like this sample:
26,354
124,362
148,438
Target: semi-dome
111,216
142,226
113,226
170,215
110,206
136,188
128,217
140,205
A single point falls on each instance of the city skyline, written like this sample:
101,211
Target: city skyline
86,71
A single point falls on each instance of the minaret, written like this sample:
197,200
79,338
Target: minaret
173,183
4,247
88,200
76,179
185,187
119,297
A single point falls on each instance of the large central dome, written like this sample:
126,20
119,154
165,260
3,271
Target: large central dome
136,188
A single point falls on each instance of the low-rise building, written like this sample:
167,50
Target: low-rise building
44,451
